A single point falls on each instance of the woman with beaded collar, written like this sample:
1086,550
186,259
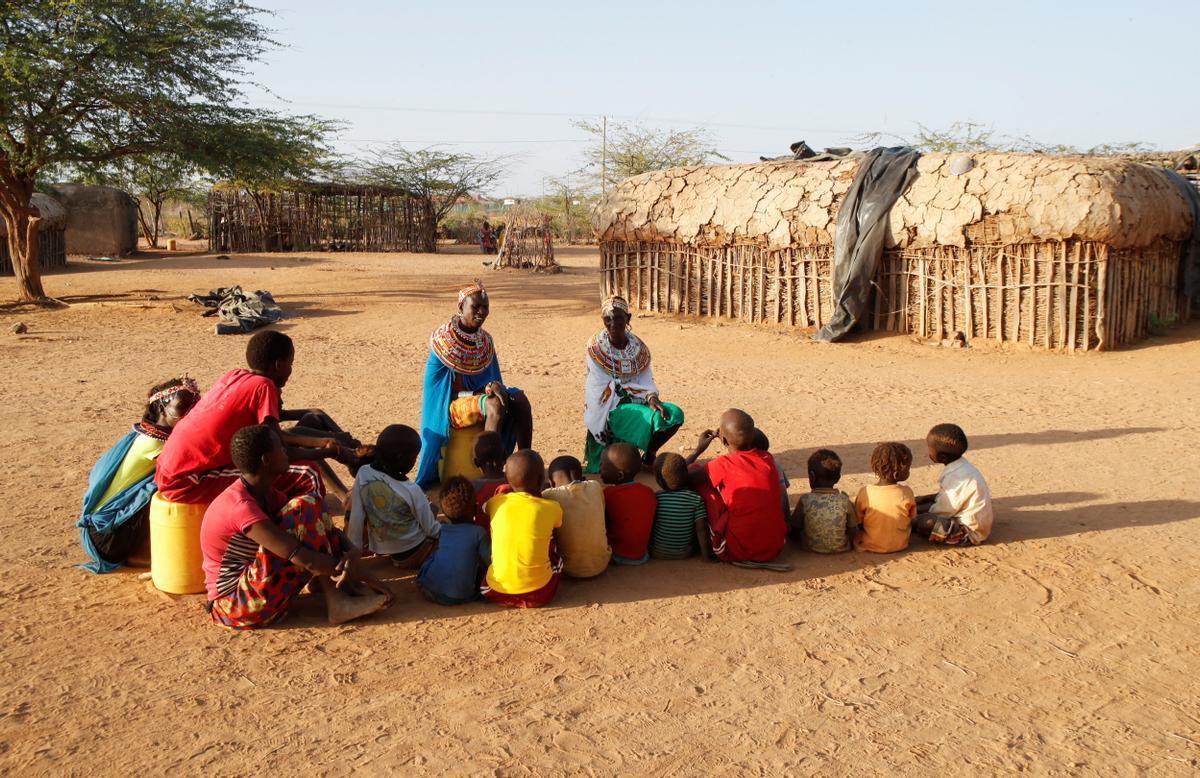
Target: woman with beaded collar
621,402
463,386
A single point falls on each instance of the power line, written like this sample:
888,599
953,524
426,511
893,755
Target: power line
559,114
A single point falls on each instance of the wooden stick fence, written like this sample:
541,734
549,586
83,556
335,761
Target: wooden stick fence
320,218
52,251
1070,295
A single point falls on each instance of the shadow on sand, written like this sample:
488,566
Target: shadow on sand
1019,518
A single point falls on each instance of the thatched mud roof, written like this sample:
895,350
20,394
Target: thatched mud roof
1022,198
54,216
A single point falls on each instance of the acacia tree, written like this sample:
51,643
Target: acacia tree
438,178
87,82
620,150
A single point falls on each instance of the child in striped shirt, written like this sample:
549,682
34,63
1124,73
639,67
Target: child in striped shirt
680,520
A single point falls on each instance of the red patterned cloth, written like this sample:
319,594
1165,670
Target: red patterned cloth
269,584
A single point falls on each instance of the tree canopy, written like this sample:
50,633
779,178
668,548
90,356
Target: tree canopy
439,177
621,150
87,82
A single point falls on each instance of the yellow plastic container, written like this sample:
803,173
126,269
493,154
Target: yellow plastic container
458,455
171,244
176,562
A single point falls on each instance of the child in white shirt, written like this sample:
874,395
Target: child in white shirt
960,514
389,514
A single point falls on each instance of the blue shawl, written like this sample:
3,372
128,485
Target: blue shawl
119,509
435,412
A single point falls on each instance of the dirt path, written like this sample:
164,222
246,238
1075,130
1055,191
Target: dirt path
1066,645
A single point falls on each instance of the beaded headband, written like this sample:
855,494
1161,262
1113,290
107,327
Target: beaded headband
185,383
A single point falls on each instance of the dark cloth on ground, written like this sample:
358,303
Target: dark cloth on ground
239,311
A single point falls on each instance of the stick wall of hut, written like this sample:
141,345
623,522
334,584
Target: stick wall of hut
1068,295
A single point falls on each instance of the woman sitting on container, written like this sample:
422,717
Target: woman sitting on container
621,403
114,525
463,386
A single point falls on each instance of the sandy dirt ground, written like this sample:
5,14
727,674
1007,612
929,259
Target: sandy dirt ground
1066,645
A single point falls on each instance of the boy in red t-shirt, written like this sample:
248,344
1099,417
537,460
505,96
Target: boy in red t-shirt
195,465
488,455
628,506
742,492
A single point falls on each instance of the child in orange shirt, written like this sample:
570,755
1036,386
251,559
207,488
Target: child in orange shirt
886,509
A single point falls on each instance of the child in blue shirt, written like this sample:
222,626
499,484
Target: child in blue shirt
451,575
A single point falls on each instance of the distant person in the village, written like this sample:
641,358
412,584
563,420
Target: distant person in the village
196,465
114,525
261,549
487,239
742,494
389,514
886,508
464,386
960,514
526,567
621,401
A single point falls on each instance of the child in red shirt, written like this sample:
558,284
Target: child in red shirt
488,455
195,465
742,492
260,549
628,506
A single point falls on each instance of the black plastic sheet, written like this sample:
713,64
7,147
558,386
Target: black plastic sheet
884,175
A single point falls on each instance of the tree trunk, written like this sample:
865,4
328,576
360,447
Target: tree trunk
151,239
157,206
22,226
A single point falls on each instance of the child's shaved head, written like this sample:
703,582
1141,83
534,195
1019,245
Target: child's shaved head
620,463
488,450
737,429
525,471
397,447
671,472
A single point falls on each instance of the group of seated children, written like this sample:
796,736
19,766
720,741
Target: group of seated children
512,536
508,536
883,515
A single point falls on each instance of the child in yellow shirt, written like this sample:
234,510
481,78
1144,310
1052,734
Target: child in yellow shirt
886,509
525,567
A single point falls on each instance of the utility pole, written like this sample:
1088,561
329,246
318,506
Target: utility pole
604,157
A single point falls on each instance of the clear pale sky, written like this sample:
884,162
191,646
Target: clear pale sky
507,78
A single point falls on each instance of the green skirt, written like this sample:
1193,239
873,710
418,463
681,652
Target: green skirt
634,423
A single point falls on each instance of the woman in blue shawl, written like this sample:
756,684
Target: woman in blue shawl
463,386
114,525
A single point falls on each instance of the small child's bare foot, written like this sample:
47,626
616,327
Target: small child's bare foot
346,606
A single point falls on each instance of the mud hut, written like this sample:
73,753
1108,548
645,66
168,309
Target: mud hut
52,242
320,217
1057,252
101,221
